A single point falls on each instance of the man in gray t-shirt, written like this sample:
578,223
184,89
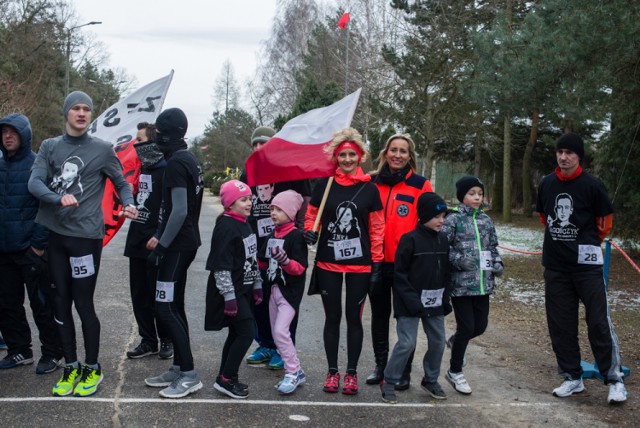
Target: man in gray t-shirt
68,177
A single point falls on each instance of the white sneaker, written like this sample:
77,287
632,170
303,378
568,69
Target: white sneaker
458,382
617,393
569,387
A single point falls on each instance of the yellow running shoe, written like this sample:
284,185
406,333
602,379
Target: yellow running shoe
89,381
66,383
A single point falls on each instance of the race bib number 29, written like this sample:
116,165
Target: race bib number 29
82,267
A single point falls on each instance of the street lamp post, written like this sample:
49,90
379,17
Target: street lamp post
69,31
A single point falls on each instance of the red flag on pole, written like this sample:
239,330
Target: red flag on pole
344,20
296,152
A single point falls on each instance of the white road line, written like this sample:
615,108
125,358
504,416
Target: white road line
274,402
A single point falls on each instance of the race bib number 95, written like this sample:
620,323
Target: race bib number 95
82,267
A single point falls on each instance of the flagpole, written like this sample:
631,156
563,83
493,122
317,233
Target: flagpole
322,204
346,72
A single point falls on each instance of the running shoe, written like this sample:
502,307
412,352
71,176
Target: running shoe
67,382
276,362
48,365
291,381
569,387
261,355
164,379
434,389
14,360
350,386
166,349
89,381
181,387
142,350
617,393
459,383
230,387
332,383
388,392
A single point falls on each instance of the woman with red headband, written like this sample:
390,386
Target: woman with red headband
350,248
399,188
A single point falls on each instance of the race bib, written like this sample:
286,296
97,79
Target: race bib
432,298
145,183
274,243
347,249
590,255
82,267
486,263
164,291
250,246
265,226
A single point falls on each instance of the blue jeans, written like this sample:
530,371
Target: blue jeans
407,330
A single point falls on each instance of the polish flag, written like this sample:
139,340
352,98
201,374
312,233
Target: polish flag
296,151
344,20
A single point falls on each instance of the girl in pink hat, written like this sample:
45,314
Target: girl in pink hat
284,258
233,282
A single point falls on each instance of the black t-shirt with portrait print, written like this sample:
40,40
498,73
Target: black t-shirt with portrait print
344,236
571,241
148,201
291,286
262,195
234,249
183,171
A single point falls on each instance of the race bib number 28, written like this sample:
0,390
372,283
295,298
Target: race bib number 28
590,255
82,267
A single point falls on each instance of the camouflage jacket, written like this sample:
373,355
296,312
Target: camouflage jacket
471,233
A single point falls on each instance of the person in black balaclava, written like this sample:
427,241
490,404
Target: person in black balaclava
174,248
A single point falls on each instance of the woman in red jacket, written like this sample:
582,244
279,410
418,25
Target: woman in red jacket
399,188
350,248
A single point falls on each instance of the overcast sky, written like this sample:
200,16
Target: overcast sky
149,38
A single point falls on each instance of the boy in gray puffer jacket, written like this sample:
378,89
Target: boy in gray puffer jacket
475,262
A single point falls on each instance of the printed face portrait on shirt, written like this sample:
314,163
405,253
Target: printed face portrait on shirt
265,192
67,180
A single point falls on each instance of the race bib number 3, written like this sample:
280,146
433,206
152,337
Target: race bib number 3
82,267
164,291
347,249
432,298
485,260
145,183
265,226
590,255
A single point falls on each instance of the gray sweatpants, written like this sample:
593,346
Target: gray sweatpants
407,330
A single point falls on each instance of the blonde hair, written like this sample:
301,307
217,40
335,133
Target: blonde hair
382,157
346,134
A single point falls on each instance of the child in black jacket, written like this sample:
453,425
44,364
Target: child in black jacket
421,292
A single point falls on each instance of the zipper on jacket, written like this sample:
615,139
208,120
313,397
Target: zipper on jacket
475,226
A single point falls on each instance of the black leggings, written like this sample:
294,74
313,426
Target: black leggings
357,286
77,291
472,317
241,331
170,312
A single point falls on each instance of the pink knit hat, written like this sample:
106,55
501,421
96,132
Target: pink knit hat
288,201
231,191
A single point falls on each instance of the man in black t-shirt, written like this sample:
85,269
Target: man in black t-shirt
577,213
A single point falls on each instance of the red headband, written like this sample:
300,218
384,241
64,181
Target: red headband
348,145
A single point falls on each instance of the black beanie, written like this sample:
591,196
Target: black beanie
429,206
171,124
571,141
465,183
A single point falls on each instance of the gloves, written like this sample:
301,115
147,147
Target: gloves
257,295
279,255
498,269
156,256
310,237
376,276
446,307
231,307
468,264
257,291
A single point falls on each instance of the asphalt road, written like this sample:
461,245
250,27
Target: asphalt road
500,397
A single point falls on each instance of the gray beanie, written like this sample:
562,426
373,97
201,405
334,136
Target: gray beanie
76,97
